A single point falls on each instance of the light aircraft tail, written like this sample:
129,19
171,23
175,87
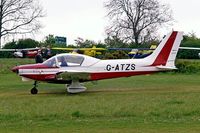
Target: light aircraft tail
164,55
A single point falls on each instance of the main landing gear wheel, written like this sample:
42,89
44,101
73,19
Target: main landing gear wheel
34,90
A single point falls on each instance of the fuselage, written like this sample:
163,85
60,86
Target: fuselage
91,69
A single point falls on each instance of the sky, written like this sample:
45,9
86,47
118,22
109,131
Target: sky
186,15
87,18
74,18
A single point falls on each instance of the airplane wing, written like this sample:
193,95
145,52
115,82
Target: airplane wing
130,49
69,75
82,49
14,50
189,48
93,48
9,50
124,49
97,49
27,49
58,48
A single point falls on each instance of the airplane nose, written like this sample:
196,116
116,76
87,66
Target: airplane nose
15,69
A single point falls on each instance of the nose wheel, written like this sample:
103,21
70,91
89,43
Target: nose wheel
34,90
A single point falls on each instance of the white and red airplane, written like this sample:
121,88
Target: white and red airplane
72,69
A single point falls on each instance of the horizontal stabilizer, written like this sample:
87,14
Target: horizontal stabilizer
166,67
189,48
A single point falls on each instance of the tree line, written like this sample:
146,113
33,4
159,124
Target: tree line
189,40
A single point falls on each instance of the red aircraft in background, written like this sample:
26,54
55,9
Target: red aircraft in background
22,53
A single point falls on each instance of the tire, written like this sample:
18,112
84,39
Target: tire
34,91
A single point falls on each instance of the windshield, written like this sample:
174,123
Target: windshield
64,61
50,62
69,60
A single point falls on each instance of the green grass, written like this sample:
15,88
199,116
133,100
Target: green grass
165,102
157,103
7,63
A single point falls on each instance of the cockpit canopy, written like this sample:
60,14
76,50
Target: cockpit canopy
69,60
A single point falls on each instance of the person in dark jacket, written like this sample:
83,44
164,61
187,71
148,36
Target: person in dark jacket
48,53
38,57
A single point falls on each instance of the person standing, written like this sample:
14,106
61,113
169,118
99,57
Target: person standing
38,57
48,52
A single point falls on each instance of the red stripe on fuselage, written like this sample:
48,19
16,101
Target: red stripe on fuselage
41,77
164,53
93,76
107,75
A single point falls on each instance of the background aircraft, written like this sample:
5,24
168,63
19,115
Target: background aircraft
75,68
86,51
137,53
22,53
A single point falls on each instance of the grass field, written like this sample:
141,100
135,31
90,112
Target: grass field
165,102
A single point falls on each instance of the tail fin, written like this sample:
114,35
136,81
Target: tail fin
165,53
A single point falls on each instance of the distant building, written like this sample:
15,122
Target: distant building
61,40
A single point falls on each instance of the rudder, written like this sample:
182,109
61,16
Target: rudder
165,53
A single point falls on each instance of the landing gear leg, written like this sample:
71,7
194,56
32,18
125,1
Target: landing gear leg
34,89
75,87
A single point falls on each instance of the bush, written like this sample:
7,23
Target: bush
189,41
116,55
188,66
6,54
